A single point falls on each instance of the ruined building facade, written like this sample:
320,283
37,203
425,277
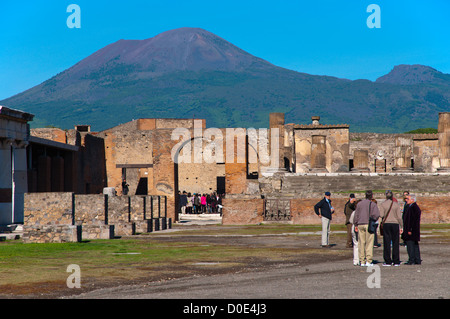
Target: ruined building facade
161,157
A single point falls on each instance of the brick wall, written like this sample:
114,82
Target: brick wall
242,211
435,209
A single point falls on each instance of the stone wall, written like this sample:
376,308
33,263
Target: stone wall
48,209
98,216
321,147
309,185
52,234
89,210
389,149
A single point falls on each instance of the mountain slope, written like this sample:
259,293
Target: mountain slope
413,74
191,72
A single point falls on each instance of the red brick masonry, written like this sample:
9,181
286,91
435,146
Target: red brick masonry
250,211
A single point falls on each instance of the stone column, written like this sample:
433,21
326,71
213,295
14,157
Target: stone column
5,181
402,154
276,122
20,179
444,141
360,161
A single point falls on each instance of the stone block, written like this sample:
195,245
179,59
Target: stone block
242,211
98,232
51,234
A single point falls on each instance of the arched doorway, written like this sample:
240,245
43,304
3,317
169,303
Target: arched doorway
197,175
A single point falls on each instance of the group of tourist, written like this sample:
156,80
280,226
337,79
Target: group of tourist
196,203
364,218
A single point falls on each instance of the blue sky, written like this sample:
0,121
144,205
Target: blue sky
324,37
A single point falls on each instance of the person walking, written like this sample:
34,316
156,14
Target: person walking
324,210
392,224
411,230
349,208
364,210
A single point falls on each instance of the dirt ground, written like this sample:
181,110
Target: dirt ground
302,269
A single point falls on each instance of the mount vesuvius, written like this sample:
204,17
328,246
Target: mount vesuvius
190,72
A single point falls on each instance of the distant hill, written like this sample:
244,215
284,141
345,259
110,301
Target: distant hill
190,72
414,74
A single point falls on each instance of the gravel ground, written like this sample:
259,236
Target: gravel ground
317,276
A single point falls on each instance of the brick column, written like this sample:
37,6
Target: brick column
444,141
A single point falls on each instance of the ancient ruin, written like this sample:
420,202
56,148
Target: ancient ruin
275,174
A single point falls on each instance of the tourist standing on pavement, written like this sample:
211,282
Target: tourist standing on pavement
354,237
324,210
203,203
190,203
197,203
391,219
183,202
364,210
411,230
350,206
405,206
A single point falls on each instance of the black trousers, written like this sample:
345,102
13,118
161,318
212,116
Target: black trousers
412,247
391,234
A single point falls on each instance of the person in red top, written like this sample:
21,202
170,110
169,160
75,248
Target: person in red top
203,203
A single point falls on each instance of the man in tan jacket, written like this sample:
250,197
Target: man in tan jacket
365,210
391,217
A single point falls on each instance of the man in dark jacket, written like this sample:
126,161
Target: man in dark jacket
411,230
183,202
350,206
324,210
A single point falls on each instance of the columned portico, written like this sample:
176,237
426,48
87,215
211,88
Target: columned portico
14,135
